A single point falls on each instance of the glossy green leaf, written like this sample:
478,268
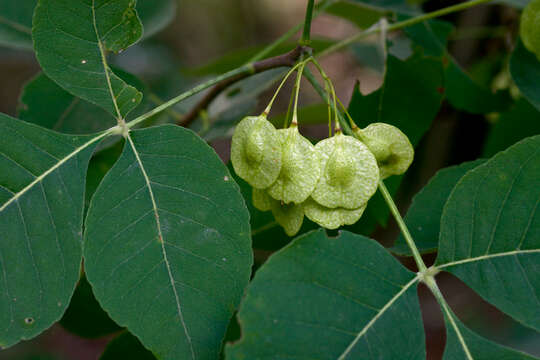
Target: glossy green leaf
424,215
16,23
84,316
521,121
423,77
467,342
331,298
490,231
525,70
167,247
155,15
460,89
71,40
42,177
126,346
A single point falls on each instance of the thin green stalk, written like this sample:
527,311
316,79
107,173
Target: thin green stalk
326,98
205,85
432,285
289,108
404,230
269,106
401,24
305,40
294,121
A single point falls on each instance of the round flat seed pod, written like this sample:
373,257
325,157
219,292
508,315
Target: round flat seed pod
256,151
261,200
349,173
331,218
289,216
530,27
391,147
300,169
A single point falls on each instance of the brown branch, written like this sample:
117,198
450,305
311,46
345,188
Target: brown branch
287,59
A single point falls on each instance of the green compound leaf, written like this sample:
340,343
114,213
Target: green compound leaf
424,215
317,299
167,246
458,347
71,40
525,70
350,174
331,218
256,151
126,346
42,182
490,231
16,23
300,169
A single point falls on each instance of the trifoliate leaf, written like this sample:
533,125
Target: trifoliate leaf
349,174
391,147
300,169
529,27
261,200
256,151
289,216
331,218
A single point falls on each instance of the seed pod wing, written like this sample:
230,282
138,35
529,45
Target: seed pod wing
391,147
261,200
300,168
349,173
289,216
331,218
256,151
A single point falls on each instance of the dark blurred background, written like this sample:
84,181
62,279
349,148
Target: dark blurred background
205,30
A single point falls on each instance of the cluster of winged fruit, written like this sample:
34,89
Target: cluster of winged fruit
330,182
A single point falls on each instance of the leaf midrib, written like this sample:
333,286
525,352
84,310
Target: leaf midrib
162,243
377,316
104,62
486,257
62,161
